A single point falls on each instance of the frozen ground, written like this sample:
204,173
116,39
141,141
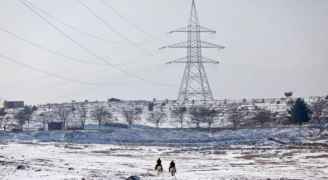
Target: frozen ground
117,153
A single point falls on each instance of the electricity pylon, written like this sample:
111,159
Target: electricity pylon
194,88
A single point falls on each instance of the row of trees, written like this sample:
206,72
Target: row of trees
70,116
99,113
17,119
197,114
238,116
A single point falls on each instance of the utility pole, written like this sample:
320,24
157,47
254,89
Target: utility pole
195,87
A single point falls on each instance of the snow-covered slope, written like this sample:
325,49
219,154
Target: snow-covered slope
147,135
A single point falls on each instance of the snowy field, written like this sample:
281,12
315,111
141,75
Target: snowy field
74,161
226,155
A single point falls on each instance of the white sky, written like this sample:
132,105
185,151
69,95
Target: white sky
273,46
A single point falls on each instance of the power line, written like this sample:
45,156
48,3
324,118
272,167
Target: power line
71,26
112,29
137,27
50,51
92,35
87,50
54,52
57,76
61,31
6,59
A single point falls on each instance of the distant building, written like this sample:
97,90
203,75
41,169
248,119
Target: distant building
13,104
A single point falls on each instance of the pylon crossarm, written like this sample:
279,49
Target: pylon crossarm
210,61
180,60
185,60
177,45
205,44
192,62
200,29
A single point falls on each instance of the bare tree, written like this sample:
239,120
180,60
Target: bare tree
44,120
179,113
82,111
289,100
196,115
157,116
3,118
34,109
203,114
151,106
211,114
6,122
234,115
24,116
101,114
318,113
46,117
63,113
262,116
130,114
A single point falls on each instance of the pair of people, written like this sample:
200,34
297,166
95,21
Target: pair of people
159,167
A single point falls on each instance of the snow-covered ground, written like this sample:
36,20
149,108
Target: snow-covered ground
76,161
116,153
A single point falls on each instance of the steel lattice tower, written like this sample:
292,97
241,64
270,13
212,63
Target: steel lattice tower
194,88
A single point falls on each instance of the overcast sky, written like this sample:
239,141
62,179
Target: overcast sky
273,46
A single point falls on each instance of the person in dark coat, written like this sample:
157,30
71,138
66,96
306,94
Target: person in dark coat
159,166
172,168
